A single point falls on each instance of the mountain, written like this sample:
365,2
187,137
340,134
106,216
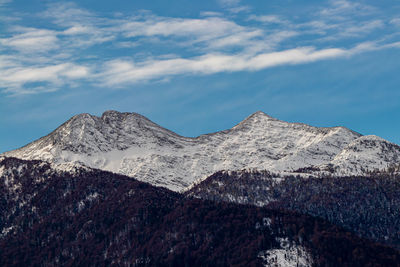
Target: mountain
89,217
132,145
364,152
368,206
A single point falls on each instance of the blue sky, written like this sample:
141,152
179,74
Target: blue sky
199,66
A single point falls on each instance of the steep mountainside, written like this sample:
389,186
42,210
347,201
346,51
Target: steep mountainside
97,218
130,144
368,206
363,152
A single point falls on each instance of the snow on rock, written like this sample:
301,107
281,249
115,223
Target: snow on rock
366,153
89,198
1,170
130,144
286,256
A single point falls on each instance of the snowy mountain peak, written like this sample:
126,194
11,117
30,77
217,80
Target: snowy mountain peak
259,115
366,153
131,144
258,118
371,138
113,115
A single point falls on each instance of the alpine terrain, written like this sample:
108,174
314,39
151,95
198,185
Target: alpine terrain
120,190
132,145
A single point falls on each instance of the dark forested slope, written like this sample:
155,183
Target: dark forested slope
91,217
368,206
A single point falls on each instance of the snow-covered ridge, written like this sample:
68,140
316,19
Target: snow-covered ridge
367,153
130,144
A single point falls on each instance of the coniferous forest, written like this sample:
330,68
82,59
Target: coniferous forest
368,206
96,218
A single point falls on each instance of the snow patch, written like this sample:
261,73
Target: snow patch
287,255
89,198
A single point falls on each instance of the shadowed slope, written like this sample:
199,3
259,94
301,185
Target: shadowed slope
98,218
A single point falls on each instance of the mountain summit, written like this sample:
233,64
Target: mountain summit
131,144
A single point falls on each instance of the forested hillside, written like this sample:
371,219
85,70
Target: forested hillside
92,217
368,206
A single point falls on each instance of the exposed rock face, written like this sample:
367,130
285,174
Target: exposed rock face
130,144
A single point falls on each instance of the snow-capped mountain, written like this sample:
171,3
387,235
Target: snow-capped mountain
366,153
130,144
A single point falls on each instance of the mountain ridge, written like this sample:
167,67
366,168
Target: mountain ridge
132,145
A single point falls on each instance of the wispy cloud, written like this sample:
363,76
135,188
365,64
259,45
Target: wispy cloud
234,6
119,72
338,20
269,19
39,57
348,30
209,34
206,28
69,14
15,76
4,2
395,21
341,9
363,28
30,39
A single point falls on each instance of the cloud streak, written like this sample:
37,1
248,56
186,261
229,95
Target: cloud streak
118,72
81,46
340,9
15,77
33,40
4,2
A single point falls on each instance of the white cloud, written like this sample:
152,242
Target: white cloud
69,14
78,29
347,30
15,78
210,33
317,27
87,29
365,27
120,72
32,40
340,9
341,19
210,14
269,19
234,6
75,72
392,45
4,2
212,43
395,21
201,28
240,39
239,9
